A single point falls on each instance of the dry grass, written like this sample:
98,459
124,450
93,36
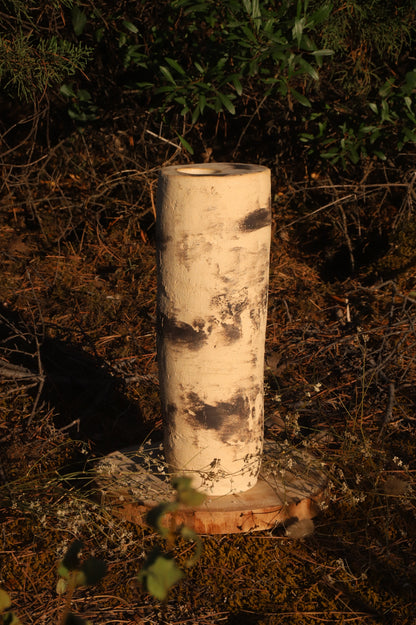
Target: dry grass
78,375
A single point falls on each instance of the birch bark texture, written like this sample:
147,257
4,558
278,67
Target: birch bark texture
213,249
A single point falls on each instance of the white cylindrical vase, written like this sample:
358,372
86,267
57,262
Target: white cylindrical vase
213,248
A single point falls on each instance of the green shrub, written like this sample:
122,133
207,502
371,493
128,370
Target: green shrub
367,105
346,66
33,54
211,55
369,38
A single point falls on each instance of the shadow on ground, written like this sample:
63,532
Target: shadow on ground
86,398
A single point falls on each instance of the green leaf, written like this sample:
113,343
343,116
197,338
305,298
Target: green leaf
321,14
181,482
410,116
300,98
237,85
61,586
71,559
386,89
325,52
225,100
380,155
5,601
222,62
191,498
167,74
373,106
308,69
247,6
196,113
181,100
80,116
411,79
186,145
131,27
144,85
83,95
297,30
202,102
10,618
160,575
79,20
252,7
79,579
67,91
332,155
94,570
176,66
410,135
375,135
170,89
155,515
248,34
354,156
186,495
99,34
63,571
366,129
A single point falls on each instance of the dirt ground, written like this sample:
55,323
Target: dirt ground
79,379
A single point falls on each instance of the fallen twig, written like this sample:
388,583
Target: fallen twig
16,372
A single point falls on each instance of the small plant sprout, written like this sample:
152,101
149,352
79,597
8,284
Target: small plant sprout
161,572
74,573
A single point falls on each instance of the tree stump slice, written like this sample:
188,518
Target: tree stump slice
291,485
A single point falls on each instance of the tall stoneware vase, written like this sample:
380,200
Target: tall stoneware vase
213,248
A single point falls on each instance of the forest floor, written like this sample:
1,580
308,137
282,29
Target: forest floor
79,380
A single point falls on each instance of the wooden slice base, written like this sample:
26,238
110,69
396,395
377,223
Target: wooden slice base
291,484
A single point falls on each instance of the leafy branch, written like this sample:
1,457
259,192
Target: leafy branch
161,572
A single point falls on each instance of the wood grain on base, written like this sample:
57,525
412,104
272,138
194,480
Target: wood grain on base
291,484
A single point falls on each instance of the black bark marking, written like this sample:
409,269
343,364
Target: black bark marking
162,290
198,323
232,332
227,418
169,431
230,307
257,219
182,333
192,247
162,241
182,250
229,311
255,316
171,411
